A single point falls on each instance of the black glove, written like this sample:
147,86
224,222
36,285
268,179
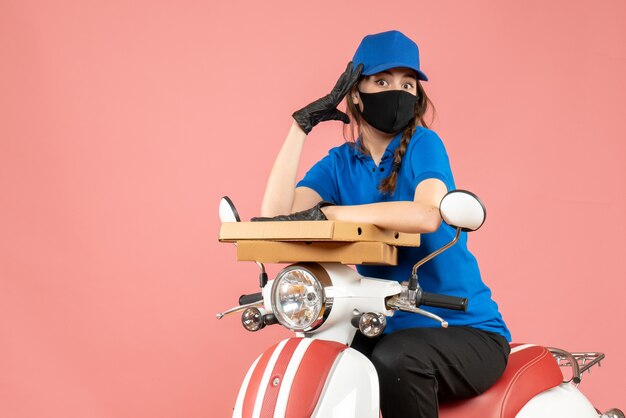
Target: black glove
326,107
313,214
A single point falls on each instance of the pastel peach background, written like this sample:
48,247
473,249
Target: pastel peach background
123,122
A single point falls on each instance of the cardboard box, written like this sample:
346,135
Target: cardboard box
342,252
314,231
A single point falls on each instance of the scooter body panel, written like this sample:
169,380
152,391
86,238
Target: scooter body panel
307,377
563,401
351,390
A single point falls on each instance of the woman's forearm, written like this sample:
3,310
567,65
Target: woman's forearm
410,217
279,192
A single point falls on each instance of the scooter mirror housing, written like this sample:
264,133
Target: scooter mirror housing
462,209
228,213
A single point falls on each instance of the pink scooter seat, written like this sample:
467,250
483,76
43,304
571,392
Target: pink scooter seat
531,370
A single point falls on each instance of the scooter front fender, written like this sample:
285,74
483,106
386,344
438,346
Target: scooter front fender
304,377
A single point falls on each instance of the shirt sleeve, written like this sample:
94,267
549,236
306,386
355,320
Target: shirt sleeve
429,159
321,178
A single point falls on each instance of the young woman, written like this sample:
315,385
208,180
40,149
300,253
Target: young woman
394,176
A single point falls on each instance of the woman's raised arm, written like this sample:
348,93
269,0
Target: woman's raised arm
280,194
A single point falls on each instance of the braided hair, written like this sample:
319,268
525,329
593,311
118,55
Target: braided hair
388,184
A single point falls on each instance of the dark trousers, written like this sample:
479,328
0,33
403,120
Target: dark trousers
418,368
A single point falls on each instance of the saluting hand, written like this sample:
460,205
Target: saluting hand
326,107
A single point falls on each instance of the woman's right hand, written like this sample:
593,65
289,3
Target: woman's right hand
326,107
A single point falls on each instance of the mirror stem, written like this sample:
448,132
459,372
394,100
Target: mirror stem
262,275
413,284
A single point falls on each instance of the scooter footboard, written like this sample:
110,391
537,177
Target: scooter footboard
303,377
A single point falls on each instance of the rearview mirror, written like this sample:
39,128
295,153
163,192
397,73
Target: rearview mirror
228,213
462,209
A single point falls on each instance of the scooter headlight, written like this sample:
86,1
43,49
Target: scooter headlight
298,297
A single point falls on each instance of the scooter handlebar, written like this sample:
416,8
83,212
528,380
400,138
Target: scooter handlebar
442,301
251,298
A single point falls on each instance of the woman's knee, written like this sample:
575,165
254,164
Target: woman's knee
390,356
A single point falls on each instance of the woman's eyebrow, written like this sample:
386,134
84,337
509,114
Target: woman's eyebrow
408,74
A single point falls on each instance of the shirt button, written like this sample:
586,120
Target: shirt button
373,170
382,169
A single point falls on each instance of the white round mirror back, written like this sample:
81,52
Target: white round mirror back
228,213
462,209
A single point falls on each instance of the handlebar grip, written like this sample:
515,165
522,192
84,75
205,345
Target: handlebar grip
442,301
251,298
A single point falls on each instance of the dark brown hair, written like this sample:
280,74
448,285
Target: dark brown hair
388,185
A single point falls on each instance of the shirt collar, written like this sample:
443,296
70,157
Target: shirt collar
391,148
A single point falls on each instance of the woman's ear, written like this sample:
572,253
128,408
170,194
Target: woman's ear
354,96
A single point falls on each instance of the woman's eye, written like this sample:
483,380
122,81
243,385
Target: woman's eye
407,86
382,83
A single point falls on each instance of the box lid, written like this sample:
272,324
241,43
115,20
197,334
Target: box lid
314,231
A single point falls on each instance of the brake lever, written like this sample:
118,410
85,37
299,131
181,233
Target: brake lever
399,303
238,308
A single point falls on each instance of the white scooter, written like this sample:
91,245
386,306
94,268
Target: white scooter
317,374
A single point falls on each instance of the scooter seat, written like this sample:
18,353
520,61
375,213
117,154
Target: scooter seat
531,369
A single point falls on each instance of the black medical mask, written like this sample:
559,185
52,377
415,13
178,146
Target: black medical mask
388,111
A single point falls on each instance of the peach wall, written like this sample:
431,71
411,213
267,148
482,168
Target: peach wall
122,123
